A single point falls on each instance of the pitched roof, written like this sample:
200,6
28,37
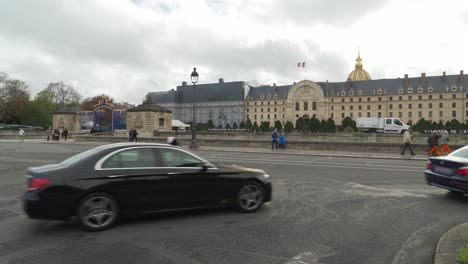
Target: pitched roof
269,92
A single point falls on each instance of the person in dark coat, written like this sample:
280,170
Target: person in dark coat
65,134
130,135
135,134
434,141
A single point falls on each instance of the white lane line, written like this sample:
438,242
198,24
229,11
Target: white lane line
324,165
315,162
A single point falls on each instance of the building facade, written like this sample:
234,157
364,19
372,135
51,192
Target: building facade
436,98
222,102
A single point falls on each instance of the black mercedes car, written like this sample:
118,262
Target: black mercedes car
125,179
449,172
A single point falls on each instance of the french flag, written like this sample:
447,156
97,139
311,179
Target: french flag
301,64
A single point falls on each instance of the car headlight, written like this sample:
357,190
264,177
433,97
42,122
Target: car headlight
267,176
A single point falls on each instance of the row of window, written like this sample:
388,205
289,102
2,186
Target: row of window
400,106
261,110
268,117
400,114
400,98
409,90
268,103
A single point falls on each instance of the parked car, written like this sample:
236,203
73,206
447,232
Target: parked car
102,184
449,172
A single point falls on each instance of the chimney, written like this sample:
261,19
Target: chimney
461,76
423,78
275,89
221,80
443,78
406,80
184,83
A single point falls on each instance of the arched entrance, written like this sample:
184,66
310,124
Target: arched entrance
103,117
306,99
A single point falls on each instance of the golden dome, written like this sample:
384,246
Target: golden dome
359,74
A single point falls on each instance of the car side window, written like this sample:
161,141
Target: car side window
177,158
397,122
133,158
388,121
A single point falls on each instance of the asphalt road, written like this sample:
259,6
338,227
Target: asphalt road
325,210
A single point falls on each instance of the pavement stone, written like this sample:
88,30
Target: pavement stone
450,243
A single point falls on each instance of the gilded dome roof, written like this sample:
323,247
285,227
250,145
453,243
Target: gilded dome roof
359,74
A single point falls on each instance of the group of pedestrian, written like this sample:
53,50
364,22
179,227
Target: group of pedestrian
132,135
278,137
433,142
56,134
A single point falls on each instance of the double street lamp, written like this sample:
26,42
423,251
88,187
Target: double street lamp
194,77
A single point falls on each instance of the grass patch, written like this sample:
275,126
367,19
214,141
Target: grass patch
462,256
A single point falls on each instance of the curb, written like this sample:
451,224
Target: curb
450,243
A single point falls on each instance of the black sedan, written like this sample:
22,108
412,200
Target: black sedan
125,179
449,172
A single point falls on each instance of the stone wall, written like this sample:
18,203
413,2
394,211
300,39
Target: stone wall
70,121
148,122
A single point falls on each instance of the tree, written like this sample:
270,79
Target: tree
210,124
455,124
242,125
348,122
220,126
35,115
227,126
278,125
330,126
234,126
322,125
255,126
301,124
249,125
148,99
422,125
288,127
64,94
313,124
14,99
265,126
90,102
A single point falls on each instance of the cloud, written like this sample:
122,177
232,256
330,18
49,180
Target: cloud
126,48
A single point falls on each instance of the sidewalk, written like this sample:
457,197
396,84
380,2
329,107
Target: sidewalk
450,243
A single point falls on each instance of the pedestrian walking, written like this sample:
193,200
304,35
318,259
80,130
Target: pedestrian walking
135,134
130,135
65,134
21,134
407,139
274,139
434,141
444,139
282,141
172,141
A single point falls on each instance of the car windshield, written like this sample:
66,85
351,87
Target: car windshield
81,156
460,153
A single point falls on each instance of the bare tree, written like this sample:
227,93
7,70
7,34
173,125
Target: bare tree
64,94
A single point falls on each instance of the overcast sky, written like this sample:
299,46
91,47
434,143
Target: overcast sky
126,48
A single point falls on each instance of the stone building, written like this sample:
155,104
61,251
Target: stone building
148,118
68,118
222,102
435,98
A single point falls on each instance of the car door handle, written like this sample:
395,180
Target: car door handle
116,176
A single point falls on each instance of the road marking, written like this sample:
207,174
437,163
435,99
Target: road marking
312,164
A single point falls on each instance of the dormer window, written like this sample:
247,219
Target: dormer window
351,93
454,88
269,97
410,90
420,90
343,93
359,92
332,93
400,90
276,97
430,89
379,91
262,97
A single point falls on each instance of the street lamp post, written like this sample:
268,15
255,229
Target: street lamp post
194,77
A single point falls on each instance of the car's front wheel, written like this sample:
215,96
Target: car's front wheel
98,211
250,197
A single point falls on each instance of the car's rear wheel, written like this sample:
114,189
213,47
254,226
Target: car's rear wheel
98,211
250,197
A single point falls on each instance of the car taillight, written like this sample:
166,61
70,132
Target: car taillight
38,183
463,171
428,165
